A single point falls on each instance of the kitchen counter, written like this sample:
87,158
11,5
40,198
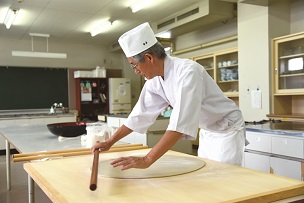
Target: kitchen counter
36,138
215,182
288,128
126,116
34,113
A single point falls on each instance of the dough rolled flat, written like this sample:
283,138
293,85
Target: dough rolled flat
167,165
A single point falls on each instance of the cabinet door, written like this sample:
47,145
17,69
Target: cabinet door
207,61
258,141
288,64
227,76
287,146
287,168
91,97
257,162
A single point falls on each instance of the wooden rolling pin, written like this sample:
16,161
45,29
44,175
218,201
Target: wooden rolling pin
74,153
70,150
93,182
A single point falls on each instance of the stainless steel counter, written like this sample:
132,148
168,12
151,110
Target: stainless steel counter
288,128
30,113
126,116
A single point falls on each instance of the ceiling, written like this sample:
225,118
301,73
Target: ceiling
72,20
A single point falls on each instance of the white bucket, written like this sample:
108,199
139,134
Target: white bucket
97,132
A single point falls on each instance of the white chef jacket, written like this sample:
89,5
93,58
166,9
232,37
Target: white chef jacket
196,99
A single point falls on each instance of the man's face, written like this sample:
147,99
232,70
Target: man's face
145,69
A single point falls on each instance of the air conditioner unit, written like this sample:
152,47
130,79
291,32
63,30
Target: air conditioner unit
195,17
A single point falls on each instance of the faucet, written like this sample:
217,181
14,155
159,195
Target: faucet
55,106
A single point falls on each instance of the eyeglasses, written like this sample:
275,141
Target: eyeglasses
134,66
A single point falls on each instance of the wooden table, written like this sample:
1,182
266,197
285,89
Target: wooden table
67,180
34,138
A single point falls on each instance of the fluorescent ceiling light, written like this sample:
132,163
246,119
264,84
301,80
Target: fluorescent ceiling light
140,5
39,54
10,17
101,28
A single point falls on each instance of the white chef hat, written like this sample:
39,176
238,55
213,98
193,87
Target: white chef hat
137,40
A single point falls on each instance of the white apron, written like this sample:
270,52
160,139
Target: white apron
225,147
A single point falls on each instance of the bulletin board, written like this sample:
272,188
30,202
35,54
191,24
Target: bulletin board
32,87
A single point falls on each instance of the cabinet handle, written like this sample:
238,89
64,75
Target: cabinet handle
276,70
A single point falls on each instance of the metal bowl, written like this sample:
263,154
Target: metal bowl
68,129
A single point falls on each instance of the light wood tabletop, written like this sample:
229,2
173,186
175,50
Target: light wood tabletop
67,180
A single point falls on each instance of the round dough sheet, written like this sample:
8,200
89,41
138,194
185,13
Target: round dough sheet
167,165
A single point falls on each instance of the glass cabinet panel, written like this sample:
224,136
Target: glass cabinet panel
290,63
227,76
288,77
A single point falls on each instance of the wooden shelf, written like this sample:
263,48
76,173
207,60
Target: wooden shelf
232,94
292,56
91,109
231,66
286,117
211,62
228,81
292,75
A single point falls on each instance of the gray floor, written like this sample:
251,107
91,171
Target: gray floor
18,192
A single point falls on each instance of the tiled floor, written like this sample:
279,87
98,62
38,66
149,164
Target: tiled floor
19,191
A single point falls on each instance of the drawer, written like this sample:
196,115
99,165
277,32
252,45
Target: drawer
287,168
257,162
288,146
259,141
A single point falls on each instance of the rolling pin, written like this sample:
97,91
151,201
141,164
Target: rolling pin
93,182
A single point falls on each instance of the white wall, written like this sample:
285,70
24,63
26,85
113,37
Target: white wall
297,16
205,35
254,59
78,55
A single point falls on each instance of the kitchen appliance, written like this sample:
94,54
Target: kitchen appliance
119,95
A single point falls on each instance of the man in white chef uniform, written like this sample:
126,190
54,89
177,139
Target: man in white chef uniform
197,101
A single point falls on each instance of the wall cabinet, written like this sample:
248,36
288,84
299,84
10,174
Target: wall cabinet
277,154
223,68
288,77
91,98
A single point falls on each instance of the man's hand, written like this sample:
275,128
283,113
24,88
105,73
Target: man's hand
101,146
131,162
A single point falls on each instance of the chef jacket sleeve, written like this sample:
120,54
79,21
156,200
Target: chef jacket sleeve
147,109
187,108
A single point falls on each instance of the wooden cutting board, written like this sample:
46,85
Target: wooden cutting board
67,180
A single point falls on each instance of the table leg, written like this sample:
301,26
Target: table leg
8,165
31,189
